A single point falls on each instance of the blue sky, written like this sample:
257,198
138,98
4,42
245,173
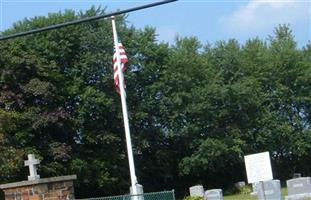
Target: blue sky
209,20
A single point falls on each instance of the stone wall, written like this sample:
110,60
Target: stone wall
43,189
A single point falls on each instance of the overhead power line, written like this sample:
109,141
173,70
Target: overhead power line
58,26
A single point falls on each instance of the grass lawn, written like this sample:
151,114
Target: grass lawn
248,196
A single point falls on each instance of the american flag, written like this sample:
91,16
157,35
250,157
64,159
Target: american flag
124,61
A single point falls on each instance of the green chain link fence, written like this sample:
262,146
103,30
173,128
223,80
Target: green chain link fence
165,195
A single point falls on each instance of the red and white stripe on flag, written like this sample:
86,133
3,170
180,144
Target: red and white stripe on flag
124,61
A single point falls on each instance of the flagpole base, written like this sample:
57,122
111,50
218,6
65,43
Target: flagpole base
139,192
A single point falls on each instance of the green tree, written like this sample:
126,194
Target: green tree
194,110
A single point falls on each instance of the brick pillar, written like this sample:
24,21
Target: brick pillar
55,188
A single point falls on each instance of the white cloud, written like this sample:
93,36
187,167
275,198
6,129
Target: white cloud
259,15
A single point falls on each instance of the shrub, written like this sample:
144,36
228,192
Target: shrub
192,198
247,189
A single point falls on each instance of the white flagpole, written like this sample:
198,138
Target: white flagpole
124,110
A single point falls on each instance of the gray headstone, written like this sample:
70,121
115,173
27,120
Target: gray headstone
215,194
269,190
196,191
255,188
298,197
299,186
239,185
296,175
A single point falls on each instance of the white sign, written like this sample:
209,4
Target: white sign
258,167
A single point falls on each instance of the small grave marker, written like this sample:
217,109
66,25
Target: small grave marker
270,190
239,185
215,194
196,191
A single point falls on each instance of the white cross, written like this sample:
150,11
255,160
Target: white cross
32,162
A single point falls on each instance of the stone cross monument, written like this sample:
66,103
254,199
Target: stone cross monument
32,162
36,188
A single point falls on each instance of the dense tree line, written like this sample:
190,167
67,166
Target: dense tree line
195,110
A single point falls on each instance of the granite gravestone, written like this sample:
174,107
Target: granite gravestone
215,194
196,191
299,188
269,190
299,185
297,175
258,167
255,188
239,185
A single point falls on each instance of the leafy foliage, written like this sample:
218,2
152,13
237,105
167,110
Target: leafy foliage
247,189
193,198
